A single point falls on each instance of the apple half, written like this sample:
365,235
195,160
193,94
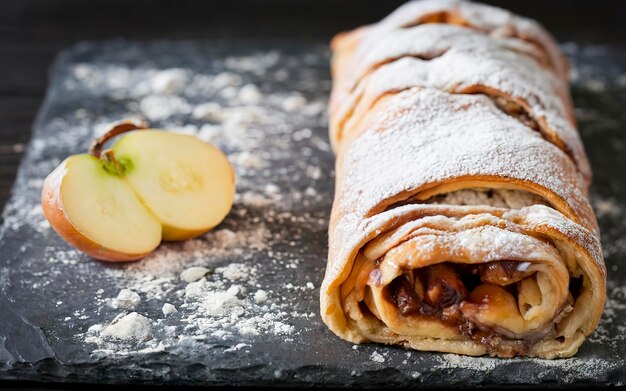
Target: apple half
152,185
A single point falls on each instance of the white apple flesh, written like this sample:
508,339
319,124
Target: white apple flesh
98,213
151,186
187,184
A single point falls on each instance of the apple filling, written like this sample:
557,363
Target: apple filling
497,304
447,278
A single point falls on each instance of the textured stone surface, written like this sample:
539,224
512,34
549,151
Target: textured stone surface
50,295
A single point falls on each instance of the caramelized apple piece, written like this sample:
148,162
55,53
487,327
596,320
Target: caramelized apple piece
503,272
444,287
490,305
404,294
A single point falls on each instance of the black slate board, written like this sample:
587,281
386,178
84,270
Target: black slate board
51,295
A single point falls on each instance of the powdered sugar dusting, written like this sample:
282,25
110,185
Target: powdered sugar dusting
462,69
426,41
128,327
491,20
569,369
434,124
219,301
377,357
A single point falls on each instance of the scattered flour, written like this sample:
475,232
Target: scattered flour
210,111
294,102
159,107
170,81
260,296
483,364
168,309
227,238
126,299
130,327
194,273
607,207
239,346
250,94
215,302
228,304
235,271
377,357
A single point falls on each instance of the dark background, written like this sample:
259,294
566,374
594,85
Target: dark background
33,31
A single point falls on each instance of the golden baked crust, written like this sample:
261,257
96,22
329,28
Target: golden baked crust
439,97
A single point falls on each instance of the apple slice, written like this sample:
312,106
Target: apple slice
118,204
98,213
188,184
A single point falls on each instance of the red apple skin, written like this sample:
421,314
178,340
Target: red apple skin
52,204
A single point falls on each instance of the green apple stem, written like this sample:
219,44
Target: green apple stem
110,163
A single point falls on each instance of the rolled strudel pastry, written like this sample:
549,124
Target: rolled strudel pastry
461,221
